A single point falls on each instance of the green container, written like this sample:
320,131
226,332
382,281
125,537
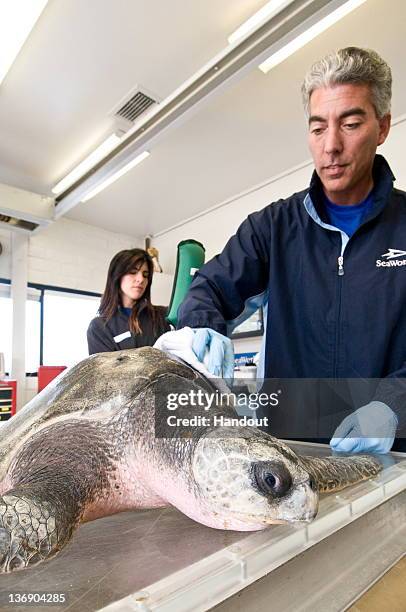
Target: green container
189,259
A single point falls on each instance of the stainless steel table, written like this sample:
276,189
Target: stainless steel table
161,560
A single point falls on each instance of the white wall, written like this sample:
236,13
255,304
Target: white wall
215,227
19,270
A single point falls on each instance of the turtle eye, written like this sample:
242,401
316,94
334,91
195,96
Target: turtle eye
272,478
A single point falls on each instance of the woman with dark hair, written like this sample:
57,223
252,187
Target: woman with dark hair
127,317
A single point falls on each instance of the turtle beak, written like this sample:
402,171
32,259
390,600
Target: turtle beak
303,505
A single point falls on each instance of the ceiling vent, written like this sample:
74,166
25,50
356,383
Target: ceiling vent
132,107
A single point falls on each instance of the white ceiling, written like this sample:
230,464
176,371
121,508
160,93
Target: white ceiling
83,57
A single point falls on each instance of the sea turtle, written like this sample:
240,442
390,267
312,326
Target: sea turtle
90,445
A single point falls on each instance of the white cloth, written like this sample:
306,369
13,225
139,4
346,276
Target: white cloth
179,343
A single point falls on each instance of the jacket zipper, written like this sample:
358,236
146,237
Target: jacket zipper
340,261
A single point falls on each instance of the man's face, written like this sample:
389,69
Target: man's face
344,133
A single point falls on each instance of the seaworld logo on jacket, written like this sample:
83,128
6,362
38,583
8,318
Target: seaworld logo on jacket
392,255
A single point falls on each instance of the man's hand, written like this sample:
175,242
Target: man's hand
371,428
215,351
204,349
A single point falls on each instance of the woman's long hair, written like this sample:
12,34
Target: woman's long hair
123,263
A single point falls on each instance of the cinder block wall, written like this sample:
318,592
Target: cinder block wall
69,254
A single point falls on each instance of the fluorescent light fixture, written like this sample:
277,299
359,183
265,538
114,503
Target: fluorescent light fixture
17,19
308,35
134,162
270,9
91,160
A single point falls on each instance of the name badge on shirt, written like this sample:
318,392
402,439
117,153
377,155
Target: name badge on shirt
121,337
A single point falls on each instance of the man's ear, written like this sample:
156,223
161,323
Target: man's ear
384,127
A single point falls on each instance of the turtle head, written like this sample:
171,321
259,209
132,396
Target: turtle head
247,480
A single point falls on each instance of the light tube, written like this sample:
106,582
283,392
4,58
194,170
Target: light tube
308,35
270,9
88,163
134,162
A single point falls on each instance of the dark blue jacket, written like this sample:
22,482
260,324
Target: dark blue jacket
114,335
336,306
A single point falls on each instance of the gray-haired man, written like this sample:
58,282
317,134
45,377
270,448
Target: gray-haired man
330,261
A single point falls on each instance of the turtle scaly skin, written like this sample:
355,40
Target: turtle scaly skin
335,473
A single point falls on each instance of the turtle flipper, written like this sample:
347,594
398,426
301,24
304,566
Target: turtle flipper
53,479
335,473
31,529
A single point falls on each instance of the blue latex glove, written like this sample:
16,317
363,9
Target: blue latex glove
370,429
219,360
